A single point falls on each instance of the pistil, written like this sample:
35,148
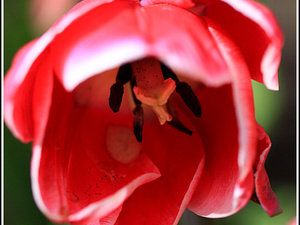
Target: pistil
152,89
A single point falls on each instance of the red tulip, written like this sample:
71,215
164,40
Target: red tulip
140,110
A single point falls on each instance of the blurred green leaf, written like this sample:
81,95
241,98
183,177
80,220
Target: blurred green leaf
269,105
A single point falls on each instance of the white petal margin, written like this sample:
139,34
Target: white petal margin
93,211
264,18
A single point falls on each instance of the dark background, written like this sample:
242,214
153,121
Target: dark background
275,111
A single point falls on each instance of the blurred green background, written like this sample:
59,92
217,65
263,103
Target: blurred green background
275,111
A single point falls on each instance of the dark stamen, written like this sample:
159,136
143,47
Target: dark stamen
124,74
138,123
176,123
184,90
189,98
115,97
117,89
179,126
138,112
168,73
133,84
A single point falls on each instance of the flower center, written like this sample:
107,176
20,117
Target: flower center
152,84
152,89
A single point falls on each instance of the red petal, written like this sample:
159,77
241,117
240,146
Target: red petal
28,99
243,99
216,195
74,179
255,30
228,130
22,91
264,193
180,159
116,33
42,98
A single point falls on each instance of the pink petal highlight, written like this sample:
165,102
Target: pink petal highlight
180,3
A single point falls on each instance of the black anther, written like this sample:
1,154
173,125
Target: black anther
179,126
138,123
138,112
124,74
133,84
189,98
116,95
184,90
168,73
117,89
176,123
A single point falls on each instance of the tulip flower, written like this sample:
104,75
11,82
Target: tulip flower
139,110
